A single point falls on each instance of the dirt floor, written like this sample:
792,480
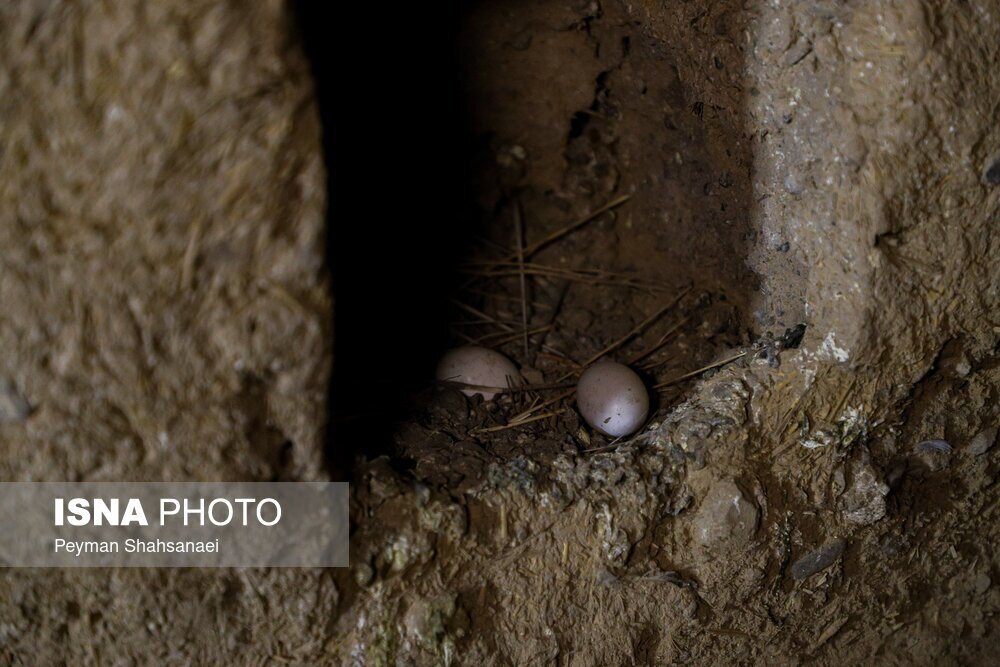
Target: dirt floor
779,213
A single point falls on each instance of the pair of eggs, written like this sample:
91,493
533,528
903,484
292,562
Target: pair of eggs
610,396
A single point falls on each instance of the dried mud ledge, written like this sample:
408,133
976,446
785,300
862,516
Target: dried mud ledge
776,513
842,150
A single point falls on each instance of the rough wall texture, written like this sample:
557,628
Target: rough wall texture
783,513
778,515
163,309
162,211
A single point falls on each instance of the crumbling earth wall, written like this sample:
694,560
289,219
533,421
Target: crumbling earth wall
837,507
165,316
163,308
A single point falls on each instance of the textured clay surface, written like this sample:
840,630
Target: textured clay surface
826,163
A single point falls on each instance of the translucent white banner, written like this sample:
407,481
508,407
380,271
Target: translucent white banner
173,524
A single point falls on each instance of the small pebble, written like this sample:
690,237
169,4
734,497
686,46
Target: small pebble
982,583
793,184
690,610
991,175
864,500
935,454
818,560
983,441
726,517
14,408
893,545
934,446
363,574
605,577
955,366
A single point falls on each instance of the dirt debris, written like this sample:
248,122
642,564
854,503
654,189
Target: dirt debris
818,560
836,147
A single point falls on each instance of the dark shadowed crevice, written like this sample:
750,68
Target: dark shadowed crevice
386,87
447,123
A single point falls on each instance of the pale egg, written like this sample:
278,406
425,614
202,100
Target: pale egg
612,399
480,368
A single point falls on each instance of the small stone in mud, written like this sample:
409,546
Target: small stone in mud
937,446
794,184
935,454
726,516
448,403
690,610
864,501
14,408
992,173
893,545
818,560
955,366
363,574
605,577
427,621
983,441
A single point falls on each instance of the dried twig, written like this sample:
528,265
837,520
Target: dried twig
498,323
480,314
704,369
517,389
560,358
611,445
627,337
506,297
637,329
555,236
554,312
191,254
512,424
586,276
520,418
468,339
664,339
477,323
504,338
519,239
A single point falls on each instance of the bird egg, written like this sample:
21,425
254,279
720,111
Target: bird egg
479,367
612,399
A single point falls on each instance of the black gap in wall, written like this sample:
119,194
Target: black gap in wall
387,84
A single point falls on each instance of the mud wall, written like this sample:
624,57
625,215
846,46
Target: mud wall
162,230
163,308
779,513
165,316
